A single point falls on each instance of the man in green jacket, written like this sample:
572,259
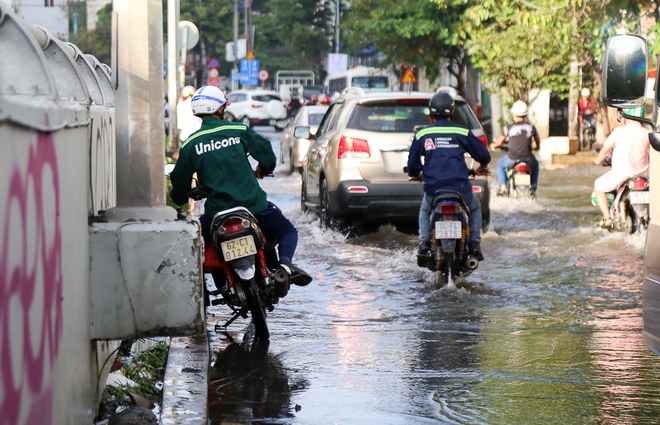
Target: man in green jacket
218,153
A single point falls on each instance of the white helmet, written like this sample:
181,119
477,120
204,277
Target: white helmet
519,108
585,92
207,100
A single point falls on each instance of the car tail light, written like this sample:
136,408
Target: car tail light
353,148
522,168
358,189
477,189
484,140
448,209
639,184
233,225
256,105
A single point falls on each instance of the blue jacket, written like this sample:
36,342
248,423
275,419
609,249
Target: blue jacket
444,144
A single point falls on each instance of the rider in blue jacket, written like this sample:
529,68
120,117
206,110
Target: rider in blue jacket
443,144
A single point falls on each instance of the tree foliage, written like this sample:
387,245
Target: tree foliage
414,32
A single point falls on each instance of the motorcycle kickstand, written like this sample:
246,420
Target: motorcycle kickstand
227,323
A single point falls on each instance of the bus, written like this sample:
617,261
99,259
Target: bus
362,77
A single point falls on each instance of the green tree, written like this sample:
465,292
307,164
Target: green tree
97,42
292,34
415,32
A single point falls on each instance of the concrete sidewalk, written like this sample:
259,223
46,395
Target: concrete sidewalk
185,386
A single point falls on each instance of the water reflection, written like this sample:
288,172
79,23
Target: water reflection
247,384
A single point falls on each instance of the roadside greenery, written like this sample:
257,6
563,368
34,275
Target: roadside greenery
147,370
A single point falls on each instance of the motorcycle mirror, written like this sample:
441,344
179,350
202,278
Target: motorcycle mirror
625,71
168,169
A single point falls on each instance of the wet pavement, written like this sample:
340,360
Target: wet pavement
546,331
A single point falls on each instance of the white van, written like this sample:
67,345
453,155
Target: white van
363,77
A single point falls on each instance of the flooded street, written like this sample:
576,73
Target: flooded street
546,331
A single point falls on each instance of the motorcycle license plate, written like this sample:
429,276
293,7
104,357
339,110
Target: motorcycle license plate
238,248
639,197
448,230
522,179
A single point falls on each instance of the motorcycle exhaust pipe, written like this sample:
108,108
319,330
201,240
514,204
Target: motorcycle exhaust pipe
282,282
472,263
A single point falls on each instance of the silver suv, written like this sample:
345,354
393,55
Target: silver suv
352,175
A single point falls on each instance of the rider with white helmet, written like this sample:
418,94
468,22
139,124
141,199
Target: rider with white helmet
218,152
186,122
523,139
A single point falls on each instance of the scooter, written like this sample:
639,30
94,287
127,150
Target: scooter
450,232
587,131
629,204
244,268
519,180
243,264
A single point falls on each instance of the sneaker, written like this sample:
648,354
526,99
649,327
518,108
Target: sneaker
298,276
605,223
424,253
502,193
474,249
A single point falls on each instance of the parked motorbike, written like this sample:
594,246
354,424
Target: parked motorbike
244,267
450,233
629,204
587,131
519,180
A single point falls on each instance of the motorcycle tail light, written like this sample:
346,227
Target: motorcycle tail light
350,147
477,189
448,209
233,225
522,168
639,184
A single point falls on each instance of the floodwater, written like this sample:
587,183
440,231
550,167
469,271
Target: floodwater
546,331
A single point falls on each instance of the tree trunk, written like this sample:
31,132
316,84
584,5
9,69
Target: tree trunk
573,95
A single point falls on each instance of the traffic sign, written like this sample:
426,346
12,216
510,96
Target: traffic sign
409,77
263,75
213,73
214,81
250,55
214,63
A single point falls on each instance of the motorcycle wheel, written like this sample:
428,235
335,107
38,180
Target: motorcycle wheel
445,269
257,310
631,220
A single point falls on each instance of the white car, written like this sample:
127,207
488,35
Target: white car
293,149
255,107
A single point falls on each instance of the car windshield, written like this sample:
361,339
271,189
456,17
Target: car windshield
464,116
375,82
315,119
265,97
390,116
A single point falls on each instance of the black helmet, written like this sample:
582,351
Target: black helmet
442,104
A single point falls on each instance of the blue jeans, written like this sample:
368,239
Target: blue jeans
505,162
274,225
475,217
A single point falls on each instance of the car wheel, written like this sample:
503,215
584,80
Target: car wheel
246,121
303,198
291,166
328,218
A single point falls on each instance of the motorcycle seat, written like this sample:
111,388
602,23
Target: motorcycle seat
449,195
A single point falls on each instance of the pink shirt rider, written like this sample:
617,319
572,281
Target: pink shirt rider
631,150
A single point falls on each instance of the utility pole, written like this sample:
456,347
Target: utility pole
337,29
173,11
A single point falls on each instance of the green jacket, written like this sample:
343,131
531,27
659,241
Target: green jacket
217,152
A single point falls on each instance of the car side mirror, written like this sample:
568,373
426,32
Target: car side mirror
302,132
625,71
654,139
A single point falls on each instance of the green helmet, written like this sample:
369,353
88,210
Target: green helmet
635,112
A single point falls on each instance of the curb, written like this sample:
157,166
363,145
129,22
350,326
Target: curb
185,385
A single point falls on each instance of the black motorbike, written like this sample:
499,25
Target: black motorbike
450,233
